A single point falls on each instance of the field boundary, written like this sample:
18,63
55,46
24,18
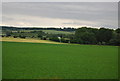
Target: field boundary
10,39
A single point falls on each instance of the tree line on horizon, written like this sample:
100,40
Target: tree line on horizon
35,28
84,35
102,36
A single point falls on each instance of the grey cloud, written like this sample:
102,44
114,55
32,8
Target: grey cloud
4,18
60,0
94,11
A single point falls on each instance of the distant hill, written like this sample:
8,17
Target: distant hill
27,28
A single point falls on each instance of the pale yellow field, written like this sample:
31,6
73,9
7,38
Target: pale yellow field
11,39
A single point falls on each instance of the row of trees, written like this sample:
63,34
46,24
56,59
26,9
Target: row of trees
25,28
84,35
21,34
97,36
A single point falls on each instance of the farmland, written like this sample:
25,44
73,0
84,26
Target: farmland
50,31
83,35
11,39
57,32
59,61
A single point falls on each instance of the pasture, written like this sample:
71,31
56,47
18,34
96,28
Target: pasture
59,61
49,31
57,32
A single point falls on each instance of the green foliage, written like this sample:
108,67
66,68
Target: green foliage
100,36
8,33
118,30
116,38
54,39
104,35
84,35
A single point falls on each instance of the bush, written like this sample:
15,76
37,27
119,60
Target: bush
15,36
22,37
54,39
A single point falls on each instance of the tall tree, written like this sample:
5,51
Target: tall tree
104,35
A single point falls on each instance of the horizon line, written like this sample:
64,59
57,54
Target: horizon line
57,27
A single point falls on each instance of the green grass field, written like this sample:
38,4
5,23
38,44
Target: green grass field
57,32
49,31
53,61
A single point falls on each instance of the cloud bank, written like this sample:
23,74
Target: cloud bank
60,14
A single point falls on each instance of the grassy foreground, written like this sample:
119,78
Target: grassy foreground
59,61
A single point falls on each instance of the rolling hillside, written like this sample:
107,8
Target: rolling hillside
10,39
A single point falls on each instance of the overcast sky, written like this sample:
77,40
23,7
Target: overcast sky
60,14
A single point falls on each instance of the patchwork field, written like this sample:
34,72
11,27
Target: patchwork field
10,39
59,61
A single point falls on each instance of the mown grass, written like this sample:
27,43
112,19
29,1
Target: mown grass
53,61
